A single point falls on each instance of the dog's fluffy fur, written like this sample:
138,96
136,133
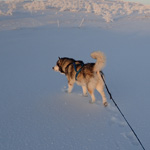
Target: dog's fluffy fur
89,77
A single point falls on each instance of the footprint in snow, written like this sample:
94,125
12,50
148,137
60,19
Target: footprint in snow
130,136
118,122
114,119
112,108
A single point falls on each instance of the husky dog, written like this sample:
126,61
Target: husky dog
89,75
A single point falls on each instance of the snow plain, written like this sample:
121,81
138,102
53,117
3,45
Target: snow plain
37,113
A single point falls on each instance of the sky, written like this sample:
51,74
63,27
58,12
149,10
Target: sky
141,1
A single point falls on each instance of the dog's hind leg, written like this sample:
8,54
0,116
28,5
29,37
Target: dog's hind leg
84,90
91,91
100,89
92,96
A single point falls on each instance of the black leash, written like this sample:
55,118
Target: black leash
122,113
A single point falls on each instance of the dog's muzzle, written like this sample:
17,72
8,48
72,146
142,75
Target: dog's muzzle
56,68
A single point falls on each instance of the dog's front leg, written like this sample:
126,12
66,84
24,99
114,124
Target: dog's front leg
70,86
84,88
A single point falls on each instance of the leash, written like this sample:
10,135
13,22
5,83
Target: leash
122,113
75,68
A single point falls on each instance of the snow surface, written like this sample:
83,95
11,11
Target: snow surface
36,112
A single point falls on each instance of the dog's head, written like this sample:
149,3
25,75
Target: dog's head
63,63
59,67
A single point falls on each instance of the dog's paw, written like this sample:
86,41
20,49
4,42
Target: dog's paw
91,102
69,91
85,95
66,91
105,104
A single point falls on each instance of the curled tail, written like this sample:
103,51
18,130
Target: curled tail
100,60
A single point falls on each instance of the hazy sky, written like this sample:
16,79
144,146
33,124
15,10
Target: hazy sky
141,1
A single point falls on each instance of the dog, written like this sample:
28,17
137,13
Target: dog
88,75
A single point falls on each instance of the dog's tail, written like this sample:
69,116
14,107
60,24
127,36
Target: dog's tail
101,60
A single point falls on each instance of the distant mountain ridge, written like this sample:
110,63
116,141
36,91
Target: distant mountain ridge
109,10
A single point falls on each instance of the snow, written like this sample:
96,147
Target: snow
106,9
36,112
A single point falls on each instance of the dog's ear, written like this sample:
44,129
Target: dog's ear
58,57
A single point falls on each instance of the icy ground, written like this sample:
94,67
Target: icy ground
35,111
